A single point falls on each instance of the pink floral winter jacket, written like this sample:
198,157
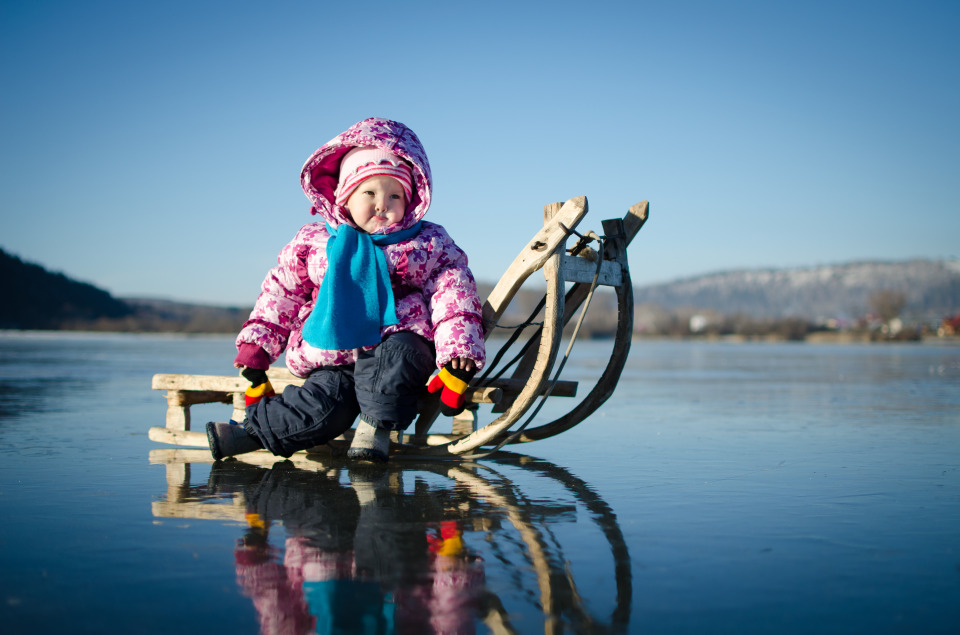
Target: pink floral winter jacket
434,291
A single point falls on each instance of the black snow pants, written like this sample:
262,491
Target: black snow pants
382,387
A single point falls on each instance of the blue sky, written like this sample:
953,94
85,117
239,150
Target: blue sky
154,149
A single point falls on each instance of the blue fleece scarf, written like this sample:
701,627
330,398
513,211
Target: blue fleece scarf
355,299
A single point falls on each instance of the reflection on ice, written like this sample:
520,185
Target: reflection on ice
326,545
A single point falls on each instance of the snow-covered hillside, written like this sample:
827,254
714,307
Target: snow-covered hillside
931,287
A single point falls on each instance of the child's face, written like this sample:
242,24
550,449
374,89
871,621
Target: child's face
377,202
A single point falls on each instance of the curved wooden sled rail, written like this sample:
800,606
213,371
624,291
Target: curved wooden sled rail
559,309
545,252
619,237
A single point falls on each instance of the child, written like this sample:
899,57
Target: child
367,303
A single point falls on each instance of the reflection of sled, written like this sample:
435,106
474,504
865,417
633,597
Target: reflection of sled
480,497
536,373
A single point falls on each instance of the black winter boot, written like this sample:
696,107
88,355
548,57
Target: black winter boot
230,439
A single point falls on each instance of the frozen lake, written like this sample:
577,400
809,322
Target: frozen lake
724,488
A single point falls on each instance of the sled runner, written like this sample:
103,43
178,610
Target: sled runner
514,390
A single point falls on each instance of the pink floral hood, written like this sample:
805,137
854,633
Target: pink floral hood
321,172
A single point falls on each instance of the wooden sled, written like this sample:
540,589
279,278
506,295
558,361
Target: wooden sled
564,255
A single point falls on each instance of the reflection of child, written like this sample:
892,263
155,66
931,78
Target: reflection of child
358,559
318,590
278,600
366,303
457,577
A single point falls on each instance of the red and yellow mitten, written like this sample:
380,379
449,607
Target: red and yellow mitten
453,382
449,542
259,386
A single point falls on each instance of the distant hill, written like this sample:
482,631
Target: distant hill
35,298
931,288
